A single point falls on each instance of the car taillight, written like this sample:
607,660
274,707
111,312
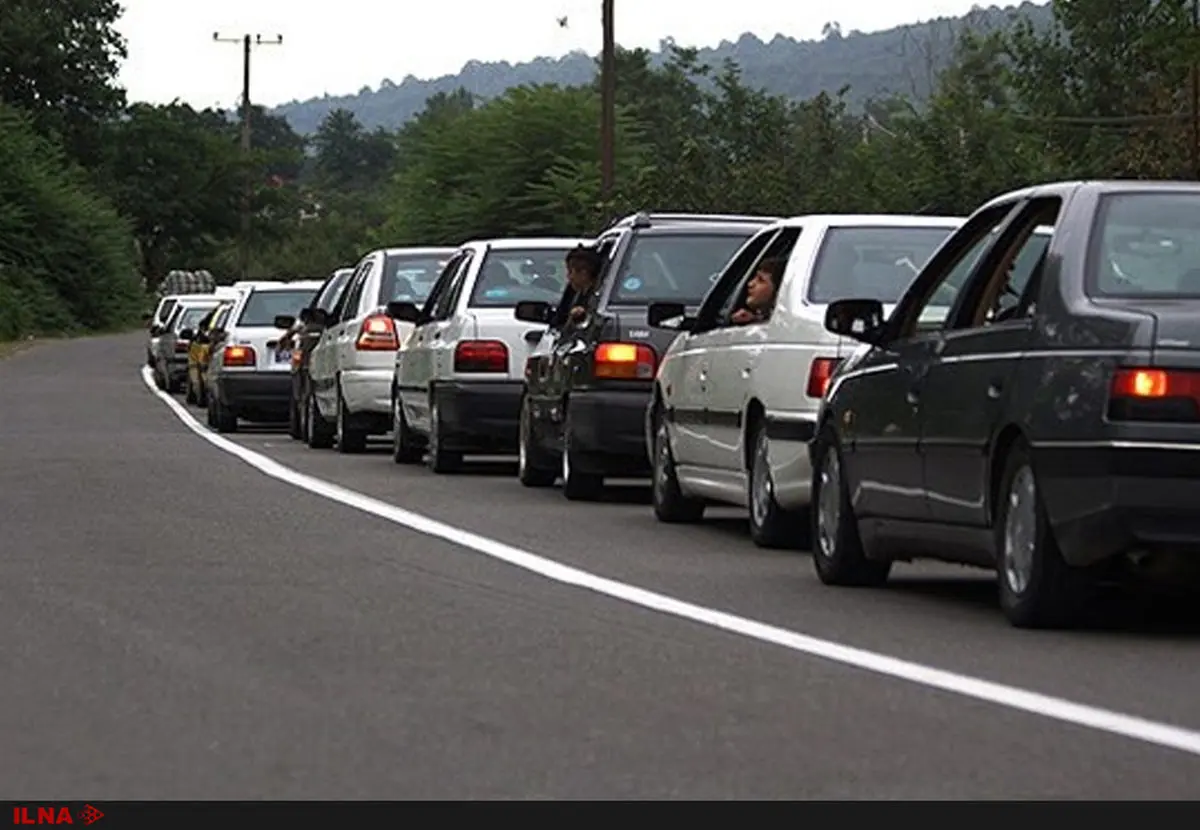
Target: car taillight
181,346
625,361
296,355
377,334
1154,395
237,356
819,375
481,356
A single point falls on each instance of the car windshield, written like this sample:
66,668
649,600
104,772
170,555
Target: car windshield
191,316
508,277
872,262
1147,245
262,307
409,278
674,267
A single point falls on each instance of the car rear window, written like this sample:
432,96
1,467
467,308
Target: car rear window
872,262
509,277
1146,245
674,267
262,307
409,278
191,316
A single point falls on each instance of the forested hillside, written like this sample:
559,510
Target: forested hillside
905,61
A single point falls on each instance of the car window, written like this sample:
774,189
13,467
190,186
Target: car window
877,263
328,296
780,249
729,282
1146,245
262,307
190,317
674,267
222,316
354,293
448,298
409,278
168,306
508,277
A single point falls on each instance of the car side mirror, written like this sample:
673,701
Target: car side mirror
533,311
186,334
669,316
284,321
405,312
306,315
861,320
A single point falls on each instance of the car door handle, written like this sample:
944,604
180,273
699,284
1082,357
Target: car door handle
913,396
746,372
703,376
994,389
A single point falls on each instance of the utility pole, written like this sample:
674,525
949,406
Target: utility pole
1195,91
608,105
247,42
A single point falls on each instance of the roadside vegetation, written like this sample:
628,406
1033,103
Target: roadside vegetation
97,195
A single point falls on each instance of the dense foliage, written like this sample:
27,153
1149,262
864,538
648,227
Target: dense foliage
88,184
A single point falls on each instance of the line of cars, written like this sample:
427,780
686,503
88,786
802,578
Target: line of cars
1016,390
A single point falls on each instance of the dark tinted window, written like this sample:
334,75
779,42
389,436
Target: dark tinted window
508,277
409,278
333,289
1147,245
262,307
678,268
167,308
871,263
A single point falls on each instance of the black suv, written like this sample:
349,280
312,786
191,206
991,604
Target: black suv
588,382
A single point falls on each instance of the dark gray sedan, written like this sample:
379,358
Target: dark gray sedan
1032,404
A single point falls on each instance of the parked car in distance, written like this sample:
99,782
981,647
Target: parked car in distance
1043,422
158,321
171,349
249,377
587,382
351,366
457,378
200,351
735,400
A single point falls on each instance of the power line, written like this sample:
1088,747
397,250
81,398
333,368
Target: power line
248,42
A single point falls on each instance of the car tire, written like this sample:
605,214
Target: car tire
405,448
226,419
534,469
838,554
670,504
350,439
441,458
771,526
1037,588
576,484
295,427
202,395
189,391
159,380
211,412
320,433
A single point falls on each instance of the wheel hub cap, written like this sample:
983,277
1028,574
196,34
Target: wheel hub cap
663,461
761,491
1020,525
829,503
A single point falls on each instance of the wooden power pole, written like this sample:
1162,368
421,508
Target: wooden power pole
608,105
1195,91
247,42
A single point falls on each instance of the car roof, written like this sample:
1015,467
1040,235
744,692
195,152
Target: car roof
303,285
185,297
538,242
648,219
869,220
434,251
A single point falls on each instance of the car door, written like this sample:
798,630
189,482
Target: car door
970,378
449,325
323,365
360,304
570,357
415,361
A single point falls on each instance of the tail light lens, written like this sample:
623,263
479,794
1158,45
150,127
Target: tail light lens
181,346
1154,395
625,361
237,356
296,355
819,374
377,334
481,356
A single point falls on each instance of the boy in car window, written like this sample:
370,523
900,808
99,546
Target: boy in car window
583,273
760,293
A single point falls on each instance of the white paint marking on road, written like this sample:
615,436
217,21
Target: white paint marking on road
1079,714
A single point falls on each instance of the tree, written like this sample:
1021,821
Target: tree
348,157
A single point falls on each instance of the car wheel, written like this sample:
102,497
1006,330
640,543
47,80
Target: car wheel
211,412
577,485
405,448
1038,589
320,434
441,459
670,504
189,391
532,467
771,526
226,420
349,438
295,428
838,553
159,380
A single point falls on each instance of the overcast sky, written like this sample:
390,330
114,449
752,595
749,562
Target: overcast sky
339,47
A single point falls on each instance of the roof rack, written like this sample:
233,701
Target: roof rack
645,219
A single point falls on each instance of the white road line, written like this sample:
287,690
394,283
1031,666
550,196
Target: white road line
1092,717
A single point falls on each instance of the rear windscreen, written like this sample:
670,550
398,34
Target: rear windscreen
1146,245
262,307
509,277
191,317
877,263
677,268
409,278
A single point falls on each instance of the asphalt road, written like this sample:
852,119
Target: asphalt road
176,624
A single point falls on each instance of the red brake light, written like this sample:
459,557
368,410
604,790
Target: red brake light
181,346
1154,395
237,356
819,374
296,355
377,334
473,356
626,361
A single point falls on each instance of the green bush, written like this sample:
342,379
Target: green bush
66,256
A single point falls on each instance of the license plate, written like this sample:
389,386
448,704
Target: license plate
283,355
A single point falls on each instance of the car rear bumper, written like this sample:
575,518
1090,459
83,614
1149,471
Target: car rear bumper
263,393
1118,497
368,390
608,431
479,416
